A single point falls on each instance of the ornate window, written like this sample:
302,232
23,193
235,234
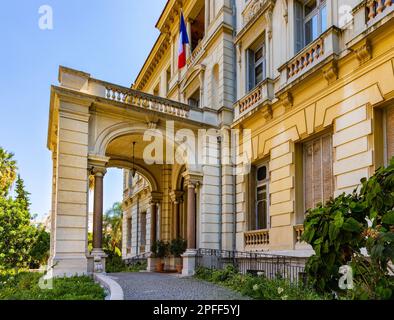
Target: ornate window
256,64
310,21
262,195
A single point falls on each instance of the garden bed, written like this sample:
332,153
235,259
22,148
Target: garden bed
259,287
25,286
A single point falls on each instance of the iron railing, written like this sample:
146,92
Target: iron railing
138,259
257,263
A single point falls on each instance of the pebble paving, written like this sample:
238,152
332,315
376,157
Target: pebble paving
161,286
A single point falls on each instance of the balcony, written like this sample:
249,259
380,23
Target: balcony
299,243
195,55
320,50
256,239
145,101
264,92
376,9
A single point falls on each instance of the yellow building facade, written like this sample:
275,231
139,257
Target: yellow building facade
307,85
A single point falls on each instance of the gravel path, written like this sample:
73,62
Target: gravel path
155,286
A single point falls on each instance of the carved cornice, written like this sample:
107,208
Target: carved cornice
286,99
330,72
363,51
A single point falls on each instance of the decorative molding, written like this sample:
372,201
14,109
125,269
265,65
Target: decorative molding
267,112
287,99
363,51
285,10
268,17
330,72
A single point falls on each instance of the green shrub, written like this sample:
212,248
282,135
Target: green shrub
24,286
160,249
178,247
339,229
115,264
258,287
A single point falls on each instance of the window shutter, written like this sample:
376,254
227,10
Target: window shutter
318,171
299,26
390,133
251,198
250,69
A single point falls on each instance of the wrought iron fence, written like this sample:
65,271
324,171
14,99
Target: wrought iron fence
138,259
256,263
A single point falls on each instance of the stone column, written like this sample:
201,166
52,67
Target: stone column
176,219
98,253
155,200
191,216
189,257
153,222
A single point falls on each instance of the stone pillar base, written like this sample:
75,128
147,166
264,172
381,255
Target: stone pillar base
152,264
98,260
189,262
67,266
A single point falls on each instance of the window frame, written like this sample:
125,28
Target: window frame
317,11
259,184
251,81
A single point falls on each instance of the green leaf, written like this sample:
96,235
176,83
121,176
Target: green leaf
388,218
352,225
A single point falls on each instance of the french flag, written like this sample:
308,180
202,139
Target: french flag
183,42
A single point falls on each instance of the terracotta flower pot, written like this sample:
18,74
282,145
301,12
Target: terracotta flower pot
178,268
159,266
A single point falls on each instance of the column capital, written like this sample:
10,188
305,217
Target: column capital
193,178
155,197
98,171
176,195
97,165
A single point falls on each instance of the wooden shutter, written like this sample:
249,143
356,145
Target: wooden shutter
250,196
298,27
390,133
318,171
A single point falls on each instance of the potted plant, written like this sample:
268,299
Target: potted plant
160,251
177,248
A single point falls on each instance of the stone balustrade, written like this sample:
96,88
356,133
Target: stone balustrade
195,55
307,57
325,48
257,238
299,231
263,92
376,7
146,101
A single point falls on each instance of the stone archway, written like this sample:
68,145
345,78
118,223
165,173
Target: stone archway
87,133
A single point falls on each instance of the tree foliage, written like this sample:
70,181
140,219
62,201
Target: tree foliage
17,235
338,231
112,224
22,195
7,171
22,245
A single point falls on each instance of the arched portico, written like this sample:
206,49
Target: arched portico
89,134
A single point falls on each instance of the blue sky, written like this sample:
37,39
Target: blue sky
110,39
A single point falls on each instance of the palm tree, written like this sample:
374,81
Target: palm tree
7,171
112,224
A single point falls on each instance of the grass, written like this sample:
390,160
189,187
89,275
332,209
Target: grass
259,287
25,286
